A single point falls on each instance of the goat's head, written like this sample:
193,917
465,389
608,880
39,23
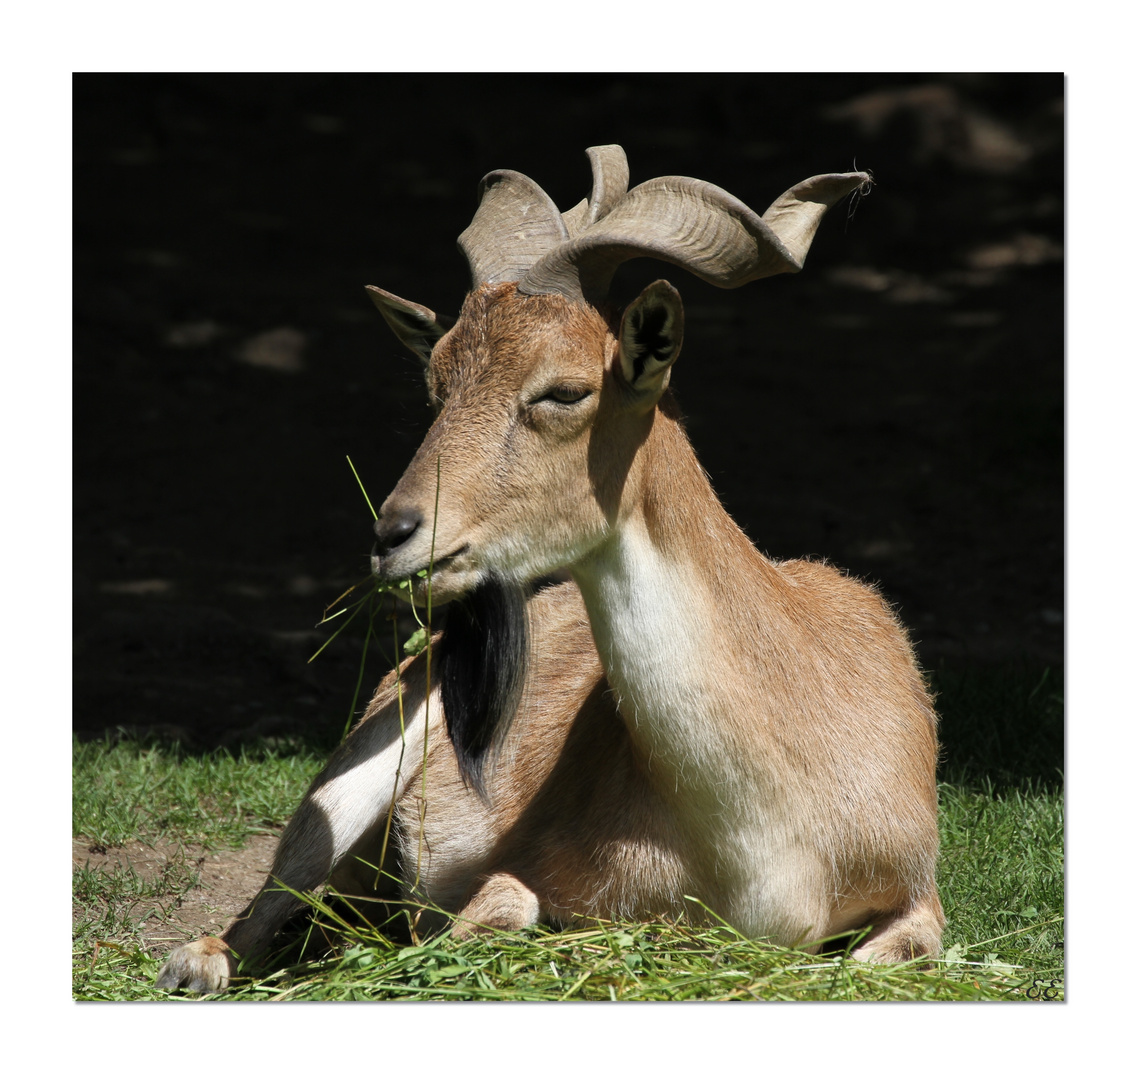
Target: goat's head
544,393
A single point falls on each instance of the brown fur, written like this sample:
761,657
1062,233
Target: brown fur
757,734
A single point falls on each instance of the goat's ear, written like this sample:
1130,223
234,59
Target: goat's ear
650,336
418,328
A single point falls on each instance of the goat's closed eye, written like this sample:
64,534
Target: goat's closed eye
565,394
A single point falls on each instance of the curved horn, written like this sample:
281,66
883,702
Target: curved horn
697,226
515,223
609,177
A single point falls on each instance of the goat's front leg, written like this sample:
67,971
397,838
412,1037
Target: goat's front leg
350,798
305,857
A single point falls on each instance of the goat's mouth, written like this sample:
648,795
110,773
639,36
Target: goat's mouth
415,583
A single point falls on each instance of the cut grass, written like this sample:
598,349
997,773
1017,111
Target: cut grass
1001,881
617,962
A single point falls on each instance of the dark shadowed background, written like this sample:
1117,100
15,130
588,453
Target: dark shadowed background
896,408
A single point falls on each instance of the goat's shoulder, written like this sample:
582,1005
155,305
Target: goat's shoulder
821,577
822,595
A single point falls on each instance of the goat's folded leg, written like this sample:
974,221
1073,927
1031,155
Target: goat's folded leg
503,902
348,801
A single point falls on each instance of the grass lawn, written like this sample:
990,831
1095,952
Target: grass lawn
1001,880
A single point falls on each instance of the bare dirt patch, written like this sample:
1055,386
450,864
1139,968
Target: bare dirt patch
228,879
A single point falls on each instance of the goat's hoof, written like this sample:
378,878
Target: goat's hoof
204,966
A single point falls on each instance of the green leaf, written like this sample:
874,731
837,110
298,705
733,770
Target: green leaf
955,954
417,642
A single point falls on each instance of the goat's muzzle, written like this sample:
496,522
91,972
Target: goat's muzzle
392,529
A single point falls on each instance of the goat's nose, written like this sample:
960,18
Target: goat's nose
393,529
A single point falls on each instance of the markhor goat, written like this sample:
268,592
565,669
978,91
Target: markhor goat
684,717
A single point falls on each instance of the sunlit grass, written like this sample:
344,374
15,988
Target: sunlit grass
1001,881
124,790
